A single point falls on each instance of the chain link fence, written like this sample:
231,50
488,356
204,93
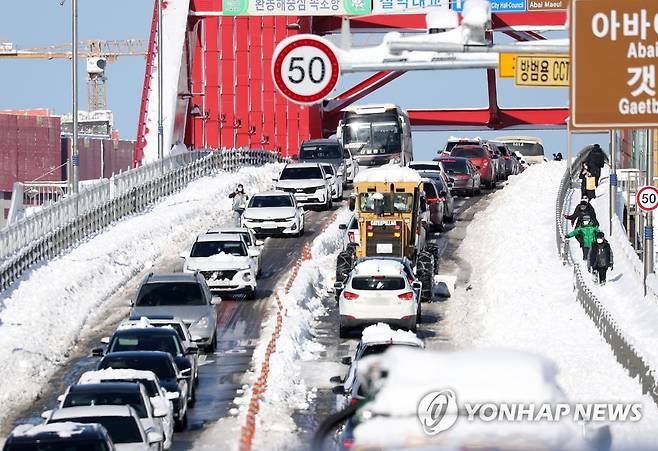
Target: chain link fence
624,352
50,231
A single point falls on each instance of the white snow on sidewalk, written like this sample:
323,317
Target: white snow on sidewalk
46,313
520,296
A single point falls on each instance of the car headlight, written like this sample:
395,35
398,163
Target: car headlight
202,322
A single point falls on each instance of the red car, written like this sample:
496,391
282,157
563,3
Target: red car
480,157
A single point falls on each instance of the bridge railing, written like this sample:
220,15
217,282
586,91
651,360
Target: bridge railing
58,226
625,353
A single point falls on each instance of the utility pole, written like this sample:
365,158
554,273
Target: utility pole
160,64
648,227
614,143
75,156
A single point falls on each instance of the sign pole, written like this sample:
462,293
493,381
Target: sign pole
75,156
613,176
648,227
569,156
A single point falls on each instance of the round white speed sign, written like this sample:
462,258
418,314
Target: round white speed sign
647,198
305,68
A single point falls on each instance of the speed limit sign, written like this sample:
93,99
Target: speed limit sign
305,68
647,198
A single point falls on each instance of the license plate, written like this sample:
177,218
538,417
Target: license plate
382,223
384,248
268,226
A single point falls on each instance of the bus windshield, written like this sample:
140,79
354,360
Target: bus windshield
393,202
375,133
527,149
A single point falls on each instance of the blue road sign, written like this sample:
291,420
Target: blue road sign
497,6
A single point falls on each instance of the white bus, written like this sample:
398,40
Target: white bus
376,134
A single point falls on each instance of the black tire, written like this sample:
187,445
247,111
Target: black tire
419,316
343,332
441,227
425,274
451,218
212,347
344,264
191,400
434,250
250,294
181,424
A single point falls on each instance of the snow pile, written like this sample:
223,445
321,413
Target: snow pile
57,303
110,374
64,430
286,390
520,296
388,173
382,333
379,267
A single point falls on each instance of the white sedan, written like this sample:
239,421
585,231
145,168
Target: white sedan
274,213
378,291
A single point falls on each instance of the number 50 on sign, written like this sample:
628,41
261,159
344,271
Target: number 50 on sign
646,198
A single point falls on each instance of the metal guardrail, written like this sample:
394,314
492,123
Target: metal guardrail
57,227
624,352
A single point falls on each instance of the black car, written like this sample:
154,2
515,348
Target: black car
465,174
163,365
444,194
164,339
50,437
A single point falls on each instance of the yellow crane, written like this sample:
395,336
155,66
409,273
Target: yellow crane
98,53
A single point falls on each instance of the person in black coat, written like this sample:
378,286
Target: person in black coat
584,208
595,162
585,173
600,257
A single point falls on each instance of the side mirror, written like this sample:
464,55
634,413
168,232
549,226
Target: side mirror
185,374
46,414
183,255
192,350
154,437
416,285
60,398
130,303
342,226
172,395
260,243
347,360
105,340
253,253
216,301
338,390
336,380
97,352
339,286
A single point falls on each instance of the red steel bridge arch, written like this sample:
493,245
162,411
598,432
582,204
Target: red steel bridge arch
231,100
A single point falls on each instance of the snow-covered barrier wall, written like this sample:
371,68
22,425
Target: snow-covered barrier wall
626,352
63,224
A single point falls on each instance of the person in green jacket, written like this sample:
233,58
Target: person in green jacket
587,231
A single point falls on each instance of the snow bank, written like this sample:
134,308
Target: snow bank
389,173
382,332
45,314
520,296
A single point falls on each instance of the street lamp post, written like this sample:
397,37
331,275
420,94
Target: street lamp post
160,64
75,156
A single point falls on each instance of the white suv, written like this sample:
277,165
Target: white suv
274,213
378,291
225,262
249,237
308,182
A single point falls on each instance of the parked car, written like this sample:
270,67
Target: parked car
434,206
454,141
465,175
336,181
329,151
531,149
121,423
68,436
136,337
351,236
498,161
308,182
445,196
131,394
161,400
249,237
163,365
274,213
181,330
512,165
481,159
432,166
226,262
184,295
378,290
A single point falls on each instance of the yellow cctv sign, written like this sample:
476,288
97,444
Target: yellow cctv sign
542,70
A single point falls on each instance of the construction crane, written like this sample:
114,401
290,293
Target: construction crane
98,53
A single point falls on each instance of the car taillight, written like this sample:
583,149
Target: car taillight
354,401
432,200
350,236
442,199
408,296
506,157
350,296
348,443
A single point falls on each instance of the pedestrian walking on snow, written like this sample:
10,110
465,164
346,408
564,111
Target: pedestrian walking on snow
588,184
600,258
240,199
587,230
595,162
584,208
